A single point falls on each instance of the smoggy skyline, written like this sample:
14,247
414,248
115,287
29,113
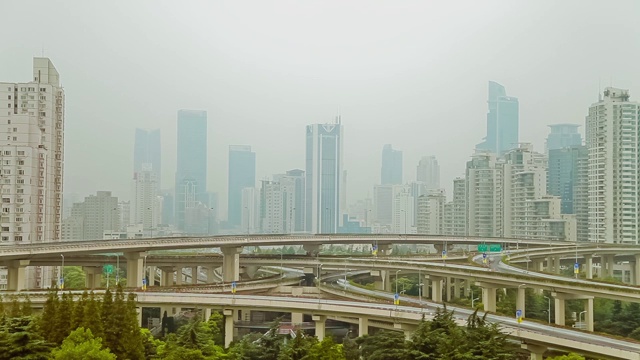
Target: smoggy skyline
410,74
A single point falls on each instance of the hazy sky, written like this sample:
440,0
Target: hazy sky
412,74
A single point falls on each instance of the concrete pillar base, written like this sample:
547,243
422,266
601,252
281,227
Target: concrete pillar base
363,326
520,300
231,263
229,317
537,351
134,268
488,296
17,277
167,276
297,318
320,321
93,277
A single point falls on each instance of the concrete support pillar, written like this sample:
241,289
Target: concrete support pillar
549,267
231,263
382,282
297,318
607,266
152,275
167,276
537,265
489,299
559,305
588,316
206,314
320,321
436,288
210,274
17,276
537,351
363,326
229,317
408,330
556,264
636,271
520,300
139,314
134,268
168,309
92,277
588,266
457,283
194,275
312,249
449,286
466,287
179,275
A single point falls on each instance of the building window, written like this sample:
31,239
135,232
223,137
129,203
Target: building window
7,152
20,152
18,238
6,200
15,138
5,238
5,228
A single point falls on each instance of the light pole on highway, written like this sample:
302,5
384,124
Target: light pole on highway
397,271
420,285
62,273
549,309
117,269
473,300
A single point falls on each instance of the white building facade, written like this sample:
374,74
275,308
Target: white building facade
147,204
31,161
613,145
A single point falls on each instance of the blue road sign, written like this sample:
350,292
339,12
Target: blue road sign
518,313
144,281
484,255
576,268
396,296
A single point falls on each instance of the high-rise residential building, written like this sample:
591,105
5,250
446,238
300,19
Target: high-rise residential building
403,214
299,207
168,207
431,213
32,156
125,214
391,172
277,199
191,170
484,198
502,121
612,128
242,174
146,203
324,172
563,136
92,217
147,150
428,172
250,223
458,208
383,202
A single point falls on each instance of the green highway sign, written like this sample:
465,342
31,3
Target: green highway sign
482,247
495,247
108,269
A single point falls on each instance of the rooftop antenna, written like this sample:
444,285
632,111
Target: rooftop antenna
338,120
599,90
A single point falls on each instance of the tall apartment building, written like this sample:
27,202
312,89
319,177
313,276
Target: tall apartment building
299,209
428,172
277,200
456,210
431,213
147,205
125,214
31,161
562,176
92,217
403,213
147,150
324,171
242,174
613,146
383,203
250,220
503,121
484,195
191,169
391,171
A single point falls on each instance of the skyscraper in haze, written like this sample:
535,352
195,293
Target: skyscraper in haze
32,166
502,121
563,136
242,174
428,172
391,172
146,150
323,172
612,128
191,169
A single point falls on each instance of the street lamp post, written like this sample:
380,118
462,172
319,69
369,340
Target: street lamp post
397,271
144,273
549,309
117,269
62,273
473,300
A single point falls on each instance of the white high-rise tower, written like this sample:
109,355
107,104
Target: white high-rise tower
31,161
147,205
614,157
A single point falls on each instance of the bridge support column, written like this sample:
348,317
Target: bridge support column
231,263
179,275
635,271
606,266
229,317
488,296
312,249
297,318
588,266
139,314
549,264
134,268
194,275
167,276
382,282
152,275
588,316
449,286
556,264
456,288
206,314
537,351
406,329
560,308
436,287
320,321
17,275
166,309
520,300
92,277
537,265
363,326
